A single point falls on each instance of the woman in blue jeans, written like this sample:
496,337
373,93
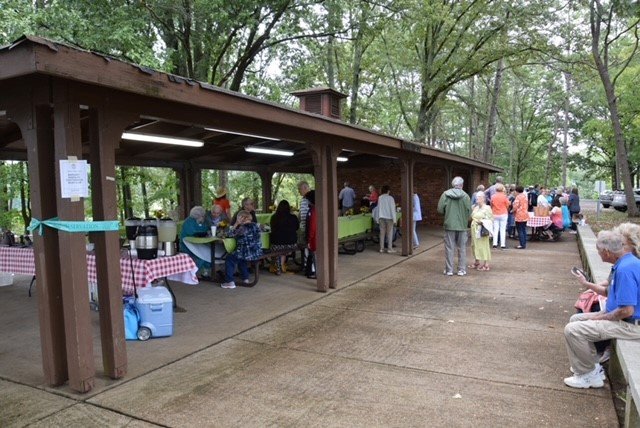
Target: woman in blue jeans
520,205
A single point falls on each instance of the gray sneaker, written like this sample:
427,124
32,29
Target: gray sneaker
228,285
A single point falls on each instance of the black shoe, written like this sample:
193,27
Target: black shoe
312,276
495,246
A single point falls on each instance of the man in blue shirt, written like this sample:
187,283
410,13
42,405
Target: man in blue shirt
620,320
348,197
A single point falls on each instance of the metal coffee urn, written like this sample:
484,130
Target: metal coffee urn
167,232
147,240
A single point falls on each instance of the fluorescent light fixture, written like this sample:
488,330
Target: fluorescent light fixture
3,112
268,151
161,140
240,133
342,159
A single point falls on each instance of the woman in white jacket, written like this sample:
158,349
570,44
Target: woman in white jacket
417,216
386,218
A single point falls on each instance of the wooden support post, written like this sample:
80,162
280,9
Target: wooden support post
406,179
104,135
190,185
36,126
75,292
325,170
267,183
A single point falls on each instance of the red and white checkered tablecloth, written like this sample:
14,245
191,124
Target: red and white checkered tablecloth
17,260
538,221
146,271
21,261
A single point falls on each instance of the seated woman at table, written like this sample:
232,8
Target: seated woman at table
248,248
556,224
216,216
248,205
196,225
284,233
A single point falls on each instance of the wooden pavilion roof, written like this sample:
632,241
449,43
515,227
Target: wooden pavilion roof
175,106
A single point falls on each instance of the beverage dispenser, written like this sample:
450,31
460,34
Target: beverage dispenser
167,232
131,226
147,240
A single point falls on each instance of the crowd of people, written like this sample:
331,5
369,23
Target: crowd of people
488,216
288,231
495,213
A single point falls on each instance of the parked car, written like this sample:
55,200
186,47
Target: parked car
606,198
619,201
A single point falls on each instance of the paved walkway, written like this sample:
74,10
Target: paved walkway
403,347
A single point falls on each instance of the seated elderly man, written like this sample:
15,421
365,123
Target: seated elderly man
216,216
196,225
620,320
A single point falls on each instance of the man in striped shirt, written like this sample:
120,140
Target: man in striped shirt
303,189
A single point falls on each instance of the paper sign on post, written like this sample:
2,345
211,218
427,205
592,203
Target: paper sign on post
73,179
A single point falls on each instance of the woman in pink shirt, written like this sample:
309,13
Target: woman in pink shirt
500,208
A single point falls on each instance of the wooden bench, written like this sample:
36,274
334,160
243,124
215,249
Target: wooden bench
266,254
625,360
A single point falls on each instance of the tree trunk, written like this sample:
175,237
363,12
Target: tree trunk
547,172
25,203
565,128
145,198
473,118
602,64
356,70
126,194
487,148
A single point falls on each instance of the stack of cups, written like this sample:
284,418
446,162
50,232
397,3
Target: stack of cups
214,229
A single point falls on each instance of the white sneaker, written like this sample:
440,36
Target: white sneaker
391,250
246,281
228,285
598,367
382,250
592,379
462,273
448,273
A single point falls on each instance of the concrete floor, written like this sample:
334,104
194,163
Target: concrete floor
397,344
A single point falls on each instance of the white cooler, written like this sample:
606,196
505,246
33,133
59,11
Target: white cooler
155,307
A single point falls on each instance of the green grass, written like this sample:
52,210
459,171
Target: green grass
608,219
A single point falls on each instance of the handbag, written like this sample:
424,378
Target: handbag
484,231
586,300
